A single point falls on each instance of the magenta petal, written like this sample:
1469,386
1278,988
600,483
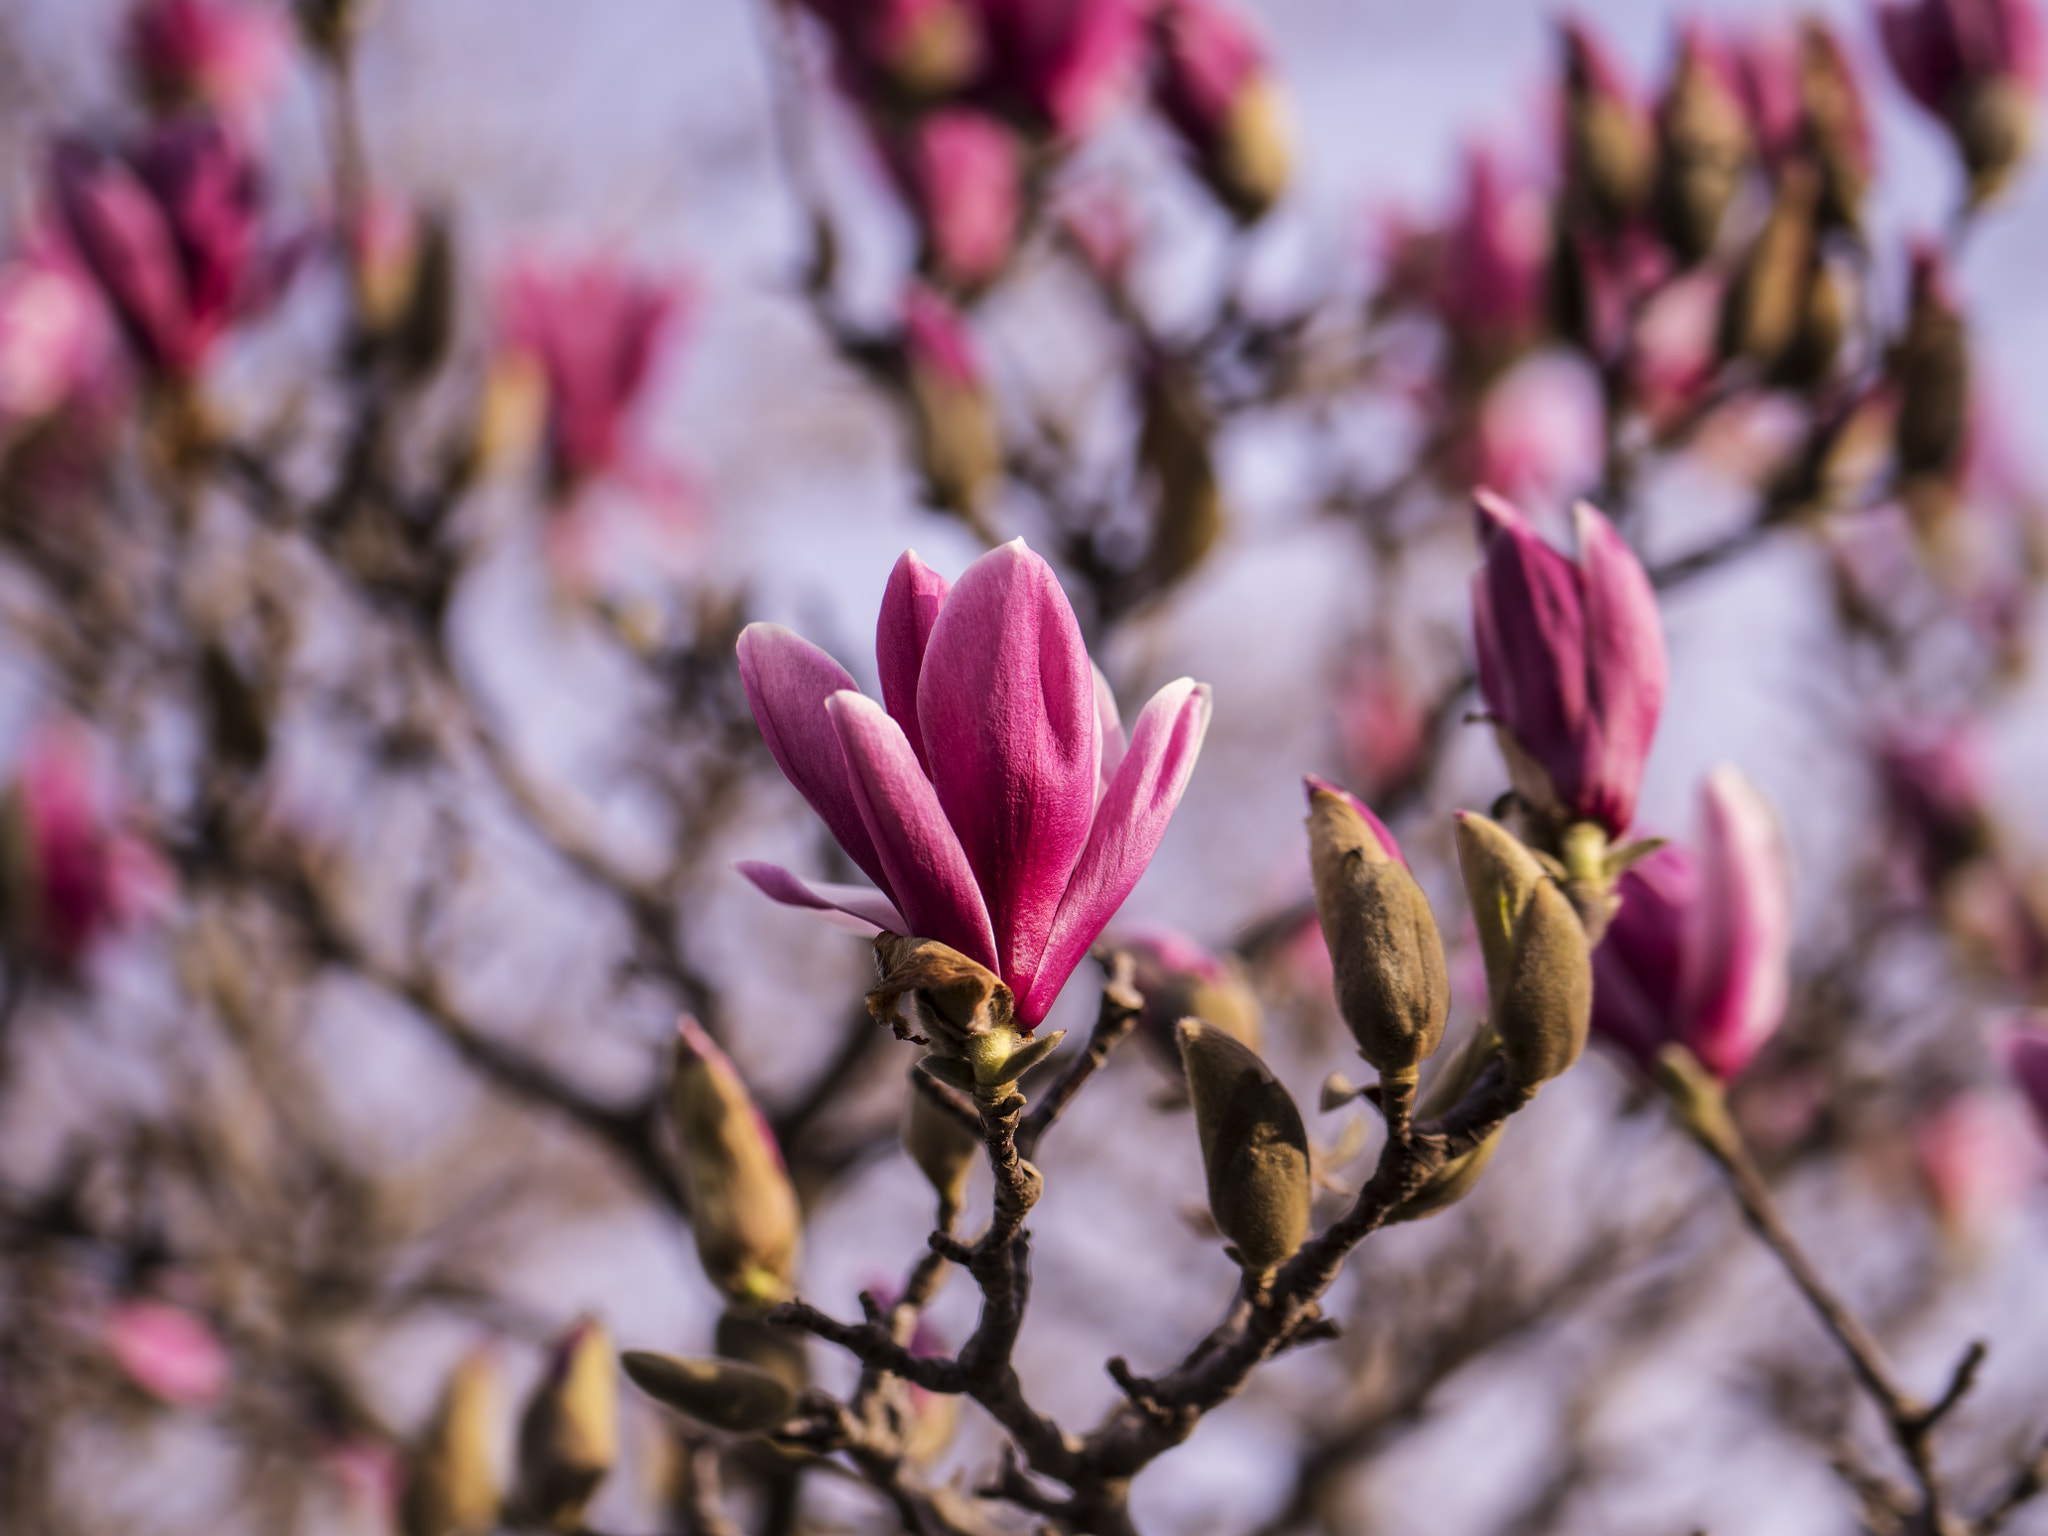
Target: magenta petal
788,680
1735,976
845,906
1626,670
910,607
1113,744
1636,968
2024,1048
1528,623
1007,706
126,242
921,853
1128,826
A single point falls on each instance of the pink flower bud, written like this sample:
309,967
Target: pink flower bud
170,236
169,1352
55,334
919,49
2024,1048
1976,1156
1933,786
1178,978
83,876
1571,663
963,173
218,55
1490,274
1608,151
1698,953
1540,436
959,443
1804,104
594,329
1010,833
1975,65
1060,64
1210,80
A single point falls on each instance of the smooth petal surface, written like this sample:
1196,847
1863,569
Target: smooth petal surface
921,854
845,906
1113,744
127,244
1128,826
1529,631
910,607
1636,968
1736,972
1626,671
1007,705
788,680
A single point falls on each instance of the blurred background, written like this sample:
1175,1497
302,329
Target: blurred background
380,759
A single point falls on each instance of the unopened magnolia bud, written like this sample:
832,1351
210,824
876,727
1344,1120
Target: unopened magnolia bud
1174,456
957,438
1179,979
1212,83
942,1147
451,1485
745,1335
1703,150
1254,1147
1392,986
1539,972
735,1398
1254,149
742,1209
1610,154
1994,128
964,1009
1767,301
1457,1178
1931,366
569,1434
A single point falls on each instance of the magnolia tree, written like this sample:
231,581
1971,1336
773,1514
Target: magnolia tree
367,1058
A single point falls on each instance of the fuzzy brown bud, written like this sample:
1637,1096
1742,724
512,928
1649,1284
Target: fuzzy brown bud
1931,368
451,1486
1539,970
1453,1080
1768,300
1703,151
743,1211
720,1393
1392,986
1610,155
1254,1147
569,1433
1994,129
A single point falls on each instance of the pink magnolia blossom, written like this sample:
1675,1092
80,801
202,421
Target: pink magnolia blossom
2024,1048
1976,1156
1540,434
992,796
922,48
593,328
963,173
170,235
169,1352
1778,70
224,56
1212,83
1940,48
84,875
1489,279
1571,662
56,337
1060,64
1674,348
1380,723
1699,953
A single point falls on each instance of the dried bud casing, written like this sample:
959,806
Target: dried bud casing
743,1211
1254,1147
1392,985
720,1393
1539,969
965,1010
942,1147
569,1433
1767,301
451,1487
1458,1177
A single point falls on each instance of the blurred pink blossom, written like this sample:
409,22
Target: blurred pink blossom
1540,433
1674,348
2023,1046
1380,722
169,1352
224,56
1061,64
963,173
1489,279
85,875
1939,48
56,337
936,337
1698,954
1933,784
371,1474
918,48
1976,1157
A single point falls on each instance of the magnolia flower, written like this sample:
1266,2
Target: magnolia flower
991,796
1571,663
1699,953
1060,64
1975,65
1538,434
1608,152
963,173
593,328
1210,80
1488,283
219,55
1804,103
55,334
169,1352
170,235
916,48
79,875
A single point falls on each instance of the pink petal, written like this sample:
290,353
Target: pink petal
919,849
1113,745
1636,968
2024,1049
910,607
167,1351
788,680
1128,826
844,906
1007,705
1527,621
1626,670
1312,782
1735,975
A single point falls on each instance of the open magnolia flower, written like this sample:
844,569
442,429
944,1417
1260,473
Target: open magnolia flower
991,796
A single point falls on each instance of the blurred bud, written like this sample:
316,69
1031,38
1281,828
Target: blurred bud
1254,1148
1179,979
451,1486
1837,124
1571,663
1211,81
1930,367
915,50
1061,67
963,173
1932,781
1609,151
1381,727
56,336
511,413
743,1211
1703,147
745,1335
1767,302
1539,974
569,1433
403,264
1175,456
1488,284
328,25
2023,1046
1699,953
958,442
1976,65
168,1351
1392,986
1453,1080
221,56
943,1148
966,1011
1975,1155
719,1393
